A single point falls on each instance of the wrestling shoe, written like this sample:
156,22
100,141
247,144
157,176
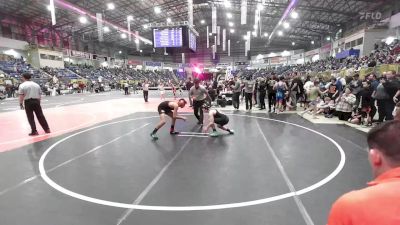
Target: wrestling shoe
154,137
214,134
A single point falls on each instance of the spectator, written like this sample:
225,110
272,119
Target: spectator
380,202
391,87
345,104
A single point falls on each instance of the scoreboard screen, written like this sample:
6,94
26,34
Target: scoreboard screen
192,41
170,37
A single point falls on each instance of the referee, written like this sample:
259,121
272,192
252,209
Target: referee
29,95
198,94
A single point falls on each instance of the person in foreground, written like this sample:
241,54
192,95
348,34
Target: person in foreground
215,117
170,109
379,203
30,96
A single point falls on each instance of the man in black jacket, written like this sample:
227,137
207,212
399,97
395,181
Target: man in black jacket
392,85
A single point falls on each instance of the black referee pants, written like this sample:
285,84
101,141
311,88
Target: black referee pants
198,108
33,106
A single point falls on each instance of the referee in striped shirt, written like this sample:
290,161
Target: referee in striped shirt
29,95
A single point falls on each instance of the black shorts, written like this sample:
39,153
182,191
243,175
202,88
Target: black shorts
162,110
221,121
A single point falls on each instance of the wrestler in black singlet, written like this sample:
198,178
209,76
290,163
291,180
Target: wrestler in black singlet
220,118
164,107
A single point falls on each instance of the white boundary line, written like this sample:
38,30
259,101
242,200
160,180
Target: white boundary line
152,183
190,208
299,203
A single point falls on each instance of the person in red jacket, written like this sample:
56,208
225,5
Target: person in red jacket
379,203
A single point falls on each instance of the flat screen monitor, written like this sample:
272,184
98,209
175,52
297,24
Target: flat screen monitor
170,37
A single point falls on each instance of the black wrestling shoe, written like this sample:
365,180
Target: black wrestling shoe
173,132
34,133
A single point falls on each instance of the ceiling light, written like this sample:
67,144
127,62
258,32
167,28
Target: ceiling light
229,15
286,25
227,4
123,36
210,34
169,20
110,6
328,38
232,31
293,43
294,15
120,52
231,24
141,50
106,29
83,19
157,10
48,7
255,26
202,21
130,18
265,34
260,7
245,37
137,41
145,26
312,42
254,33
280,33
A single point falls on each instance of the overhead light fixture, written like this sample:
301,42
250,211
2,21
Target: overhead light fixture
280,33
328,38
255,26
293,43
202,21
229,15
231,24
286,25
227,4
106,29
83,19
145,26
169,20
245,37
110,6
141,50
254,33
260,7
232,31
130,18
123,36
312,42
137,41
48,7
210,34
120,52
265,34
157,10
294,15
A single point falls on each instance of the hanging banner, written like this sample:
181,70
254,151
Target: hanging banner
224,40
183,58
248,41
53,12
229,47
190,12
213,51
137,41
208,38
215,43
243,12
218,35
99,21
246,44
256,19
214,19
129,30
